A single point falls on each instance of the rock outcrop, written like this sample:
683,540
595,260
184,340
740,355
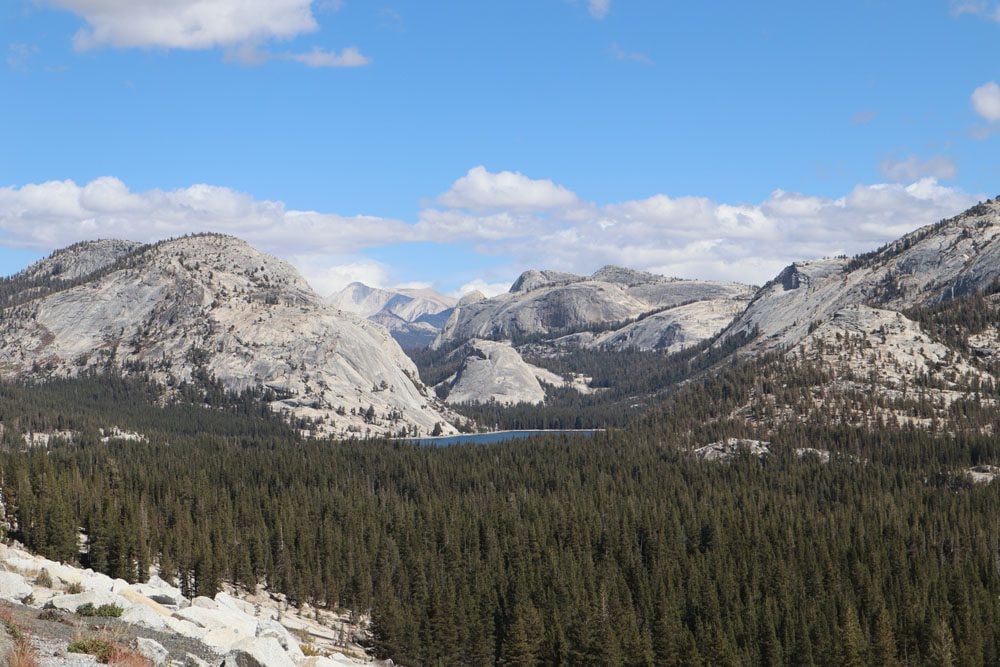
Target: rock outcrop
556,305
211,306
494,372
257,631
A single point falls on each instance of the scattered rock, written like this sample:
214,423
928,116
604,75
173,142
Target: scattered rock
145,617
153,650
274,629
13,587
258,652
71,603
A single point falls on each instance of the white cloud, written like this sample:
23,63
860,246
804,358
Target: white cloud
480,189
986,101
480,285
241,27
187,24
911,168
683,236
329,279
696,236
599,8
46,215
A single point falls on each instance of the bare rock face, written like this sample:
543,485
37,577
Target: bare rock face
212,306
953,258
669,330
495,372
81,259
412,316
730,448
546,303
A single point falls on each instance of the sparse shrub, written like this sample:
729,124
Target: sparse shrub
74,588
50,615
7,620
108,652
44,579
28,599
125,657
95,646
23,654
104,611
310,651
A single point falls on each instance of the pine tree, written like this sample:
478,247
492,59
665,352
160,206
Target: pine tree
941,651
520,646
884,641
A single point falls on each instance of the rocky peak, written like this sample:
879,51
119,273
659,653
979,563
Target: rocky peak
533,279
495,372
625,276
471,297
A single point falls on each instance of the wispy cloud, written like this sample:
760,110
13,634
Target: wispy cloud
864,117
618,53
253,55
389,18
18,55
598,8
911,168
349,57
989,10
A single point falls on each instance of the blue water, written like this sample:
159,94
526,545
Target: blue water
488,438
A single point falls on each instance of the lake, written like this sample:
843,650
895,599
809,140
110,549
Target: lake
496,436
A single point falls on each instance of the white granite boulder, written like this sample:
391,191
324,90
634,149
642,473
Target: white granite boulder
13,587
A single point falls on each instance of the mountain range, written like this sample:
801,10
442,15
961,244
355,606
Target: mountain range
412,316
209,310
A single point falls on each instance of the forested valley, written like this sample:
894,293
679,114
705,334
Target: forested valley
622,549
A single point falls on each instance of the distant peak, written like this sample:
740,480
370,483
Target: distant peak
625,276
471,297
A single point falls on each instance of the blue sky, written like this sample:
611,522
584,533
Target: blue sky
459,143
